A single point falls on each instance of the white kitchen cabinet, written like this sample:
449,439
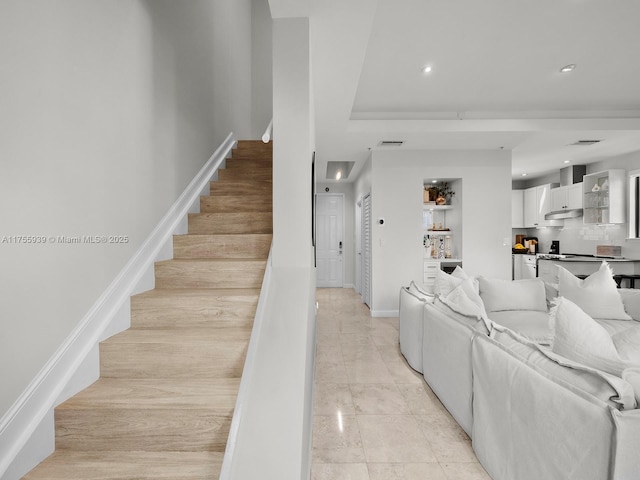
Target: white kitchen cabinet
537,203
568,197
524,266
604,197
517,208
530,211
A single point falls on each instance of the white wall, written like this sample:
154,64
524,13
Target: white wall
397,183
261,67
349,227
108,110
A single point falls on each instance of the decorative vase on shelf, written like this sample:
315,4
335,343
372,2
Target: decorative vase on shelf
441,200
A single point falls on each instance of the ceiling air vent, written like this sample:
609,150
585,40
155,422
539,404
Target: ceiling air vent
391,143
585,143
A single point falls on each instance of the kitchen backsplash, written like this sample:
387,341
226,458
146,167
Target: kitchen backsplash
576,237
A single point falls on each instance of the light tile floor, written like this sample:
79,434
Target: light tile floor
375,418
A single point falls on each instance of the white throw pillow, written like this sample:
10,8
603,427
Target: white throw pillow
580,338
445,283
499,295
462,275
631,301
597,294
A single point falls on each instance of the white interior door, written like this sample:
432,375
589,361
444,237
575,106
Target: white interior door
358,258
366,250
329,239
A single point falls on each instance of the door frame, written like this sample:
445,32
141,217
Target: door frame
328,194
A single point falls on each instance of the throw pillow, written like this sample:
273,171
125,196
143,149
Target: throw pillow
597,294
445,283
499,295
580,338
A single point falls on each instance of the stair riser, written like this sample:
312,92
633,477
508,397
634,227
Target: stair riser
156,313
221,246
141,430
241,174
253,147
210,274
230,223
260,164
236,203
241,187
152,360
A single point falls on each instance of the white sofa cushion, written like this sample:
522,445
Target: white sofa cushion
531,324
597,294
499,295
420,293
606,387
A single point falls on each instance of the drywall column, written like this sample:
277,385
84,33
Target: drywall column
293,146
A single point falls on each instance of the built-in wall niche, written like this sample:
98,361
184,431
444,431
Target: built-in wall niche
442,219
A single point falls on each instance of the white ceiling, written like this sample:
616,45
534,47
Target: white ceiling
495,81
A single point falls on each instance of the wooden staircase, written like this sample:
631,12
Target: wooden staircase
162,407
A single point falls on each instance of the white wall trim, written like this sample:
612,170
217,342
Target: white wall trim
47,389
349,285
385,313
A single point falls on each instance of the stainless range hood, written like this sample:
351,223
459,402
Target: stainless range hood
568,176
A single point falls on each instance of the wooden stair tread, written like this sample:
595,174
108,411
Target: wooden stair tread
207,293
218,394
182,336
65,465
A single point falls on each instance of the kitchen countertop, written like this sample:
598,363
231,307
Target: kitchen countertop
589,259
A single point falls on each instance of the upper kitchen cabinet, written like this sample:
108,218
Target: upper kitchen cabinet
517,208
604,197
537,203
568,197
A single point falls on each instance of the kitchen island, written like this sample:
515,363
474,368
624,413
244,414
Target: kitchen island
584,265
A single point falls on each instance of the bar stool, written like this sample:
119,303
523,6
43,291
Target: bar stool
631,278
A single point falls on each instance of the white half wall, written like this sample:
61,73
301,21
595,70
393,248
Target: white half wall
109,109
293,147
485,203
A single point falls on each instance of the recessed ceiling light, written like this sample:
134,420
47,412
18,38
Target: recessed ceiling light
525,174
339,175
567,161
434,181
568,68
427,69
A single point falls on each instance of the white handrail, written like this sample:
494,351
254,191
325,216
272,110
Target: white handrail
268,133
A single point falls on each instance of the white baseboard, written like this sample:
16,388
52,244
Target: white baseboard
26,430
349,285
385,313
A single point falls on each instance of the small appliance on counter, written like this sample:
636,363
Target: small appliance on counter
532,244
555,247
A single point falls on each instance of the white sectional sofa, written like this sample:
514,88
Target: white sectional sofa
532,412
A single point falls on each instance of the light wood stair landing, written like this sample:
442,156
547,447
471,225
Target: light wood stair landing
163,405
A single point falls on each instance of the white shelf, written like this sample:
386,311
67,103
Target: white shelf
442,260
427,206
